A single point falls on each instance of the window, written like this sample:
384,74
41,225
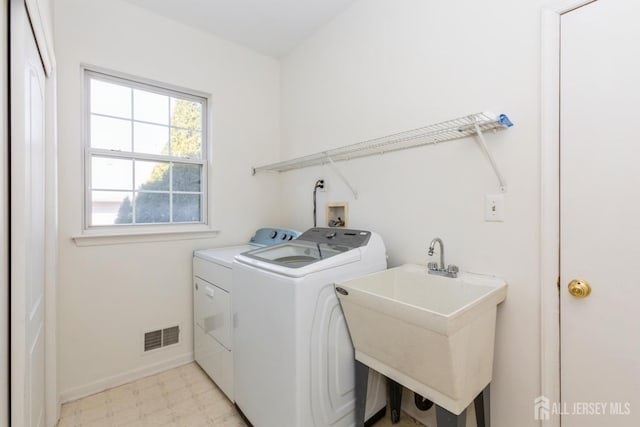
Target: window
145,153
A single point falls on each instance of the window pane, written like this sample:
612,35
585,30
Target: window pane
110,207
152,176
146,153
187,177
186,114
151,139
150,107
186,143
151,207
110,134
110,99
186,208
111,174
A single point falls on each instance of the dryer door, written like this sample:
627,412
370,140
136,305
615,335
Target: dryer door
212,311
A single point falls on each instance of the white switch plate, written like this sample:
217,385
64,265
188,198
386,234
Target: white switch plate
494,207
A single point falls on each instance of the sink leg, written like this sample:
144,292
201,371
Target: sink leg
395,400
445,418
483,408
362,378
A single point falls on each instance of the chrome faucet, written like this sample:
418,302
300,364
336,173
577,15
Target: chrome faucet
439,268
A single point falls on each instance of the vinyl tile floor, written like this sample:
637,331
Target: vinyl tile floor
181,397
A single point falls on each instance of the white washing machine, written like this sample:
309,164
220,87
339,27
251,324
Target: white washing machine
212,291
293,357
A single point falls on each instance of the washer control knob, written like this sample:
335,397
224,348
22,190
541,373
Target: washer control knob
330,235
284,237
274,233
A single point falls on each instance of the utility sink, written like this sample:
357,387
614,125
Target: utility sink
434,335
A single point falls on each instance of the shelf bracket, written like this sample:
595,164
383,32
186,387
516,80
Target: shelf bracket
483,145
341,176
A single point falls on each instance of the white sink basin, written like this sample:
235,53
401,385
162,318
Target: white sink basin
432,334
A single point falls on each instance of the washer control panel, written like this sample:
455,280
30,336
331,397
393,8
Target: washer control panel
271,236
337,236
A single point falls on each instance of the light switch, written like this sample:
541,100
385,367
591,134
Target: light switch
494,207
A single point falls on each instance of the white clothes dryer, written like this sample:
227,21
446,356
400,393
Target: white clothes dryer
212,292
293,358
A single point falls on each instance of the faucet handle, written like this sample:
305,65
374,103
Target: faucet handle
453,269
432,266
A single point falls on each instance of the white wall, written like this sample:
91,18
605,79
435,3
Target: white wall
109,295
383,67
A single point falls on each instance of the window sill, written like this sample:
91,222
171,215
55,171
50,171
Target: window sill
120,237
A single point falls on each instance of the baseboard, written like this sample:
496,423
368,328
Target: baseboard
368,423
123,378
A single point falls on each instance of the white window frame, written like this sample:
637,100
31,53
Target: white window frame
149,229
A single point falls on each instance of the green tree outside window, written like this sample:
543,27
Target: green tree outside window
185,141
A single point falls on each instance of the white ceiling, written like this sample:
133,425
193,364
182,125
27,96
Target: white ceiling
272,27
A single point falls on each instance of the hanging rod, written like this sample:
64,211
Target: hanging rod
432,134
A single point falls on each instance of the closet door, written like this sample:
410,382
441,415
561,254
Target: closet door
599,214
27,223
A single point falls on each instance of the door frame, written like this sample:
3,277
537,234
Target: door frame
550,287
42,36
4,224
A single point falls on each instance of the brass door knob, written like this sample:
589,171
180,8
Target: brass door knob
579,288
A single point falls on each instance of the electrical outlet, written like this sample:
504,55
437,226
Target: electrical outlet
324,185
494,207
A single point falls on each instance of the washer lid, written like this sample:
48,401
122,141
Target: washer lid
298,259
297,254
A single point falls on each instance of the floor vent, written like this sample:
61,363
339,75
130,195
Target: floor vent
161,338
170,336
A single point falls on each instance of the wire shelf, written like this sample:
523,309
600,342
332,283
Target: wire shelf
432,134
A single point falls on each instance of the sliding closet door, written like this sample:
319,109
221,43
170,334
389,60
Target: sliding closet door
27,223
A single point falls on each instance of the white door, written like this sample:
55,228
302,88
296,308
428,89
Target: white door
600,214
27,219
